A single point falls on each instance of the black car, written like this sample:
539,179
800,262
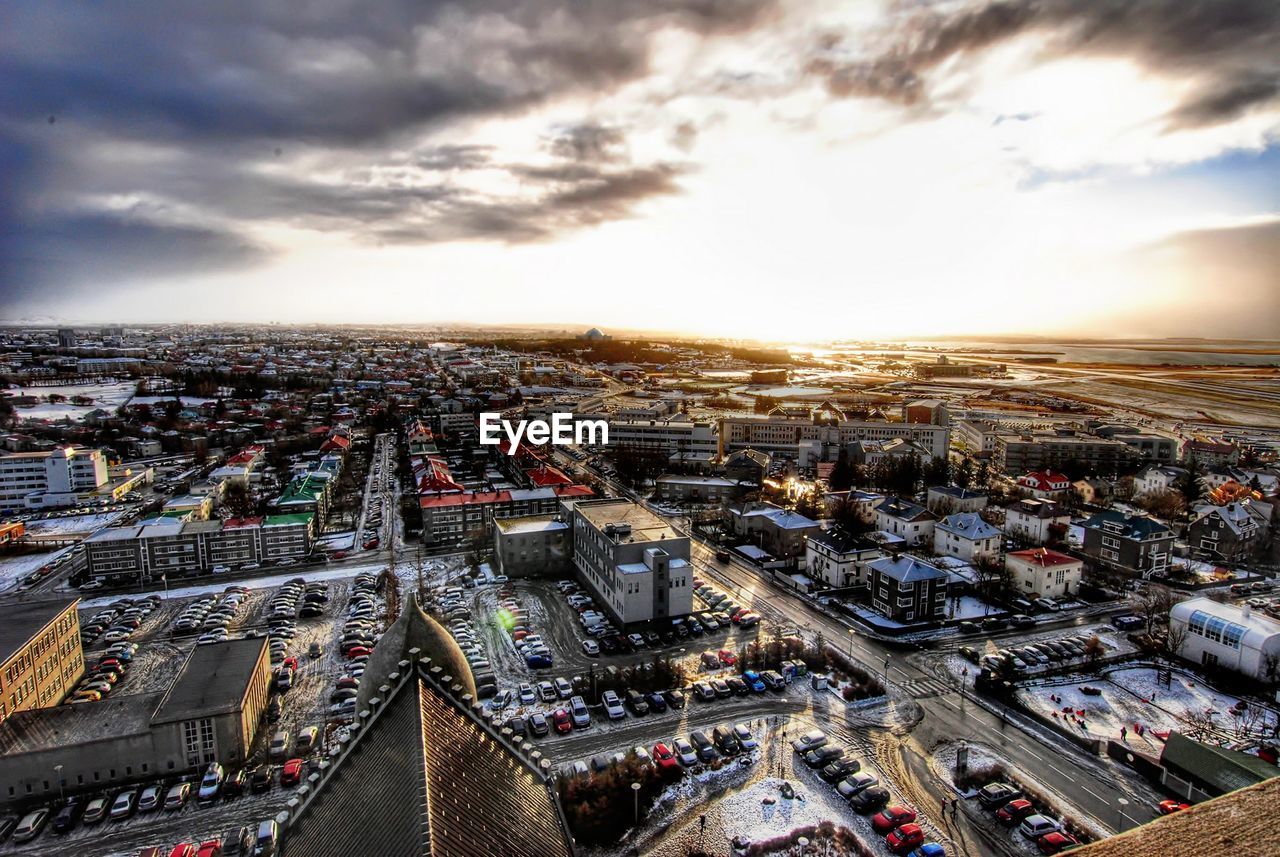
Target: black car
273,710
237,842
518,725
653,638
869,800
695,627
260,779
657,702
995,795
726,742
674,698
636,703
7,824
836,771
738,686
67,817
991,623
702,745
234,785
967,627
969,653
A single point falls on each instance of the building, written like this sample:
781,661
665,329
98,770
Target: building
1151,447
1231,533
780,532
1041,450
1156,478
840,560
1210,454
911,521
634,564
168,547
1035,521
36,480
43,658
1228,636
532,546
1045,484
210,713
1042,573
425,769
448,518
966,536
783,434
674,488
749,466
678,433
944,368
1134,544
949,499
932,411
908,590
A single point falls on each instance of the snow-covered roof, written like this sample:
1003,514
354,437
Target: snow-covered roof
967,525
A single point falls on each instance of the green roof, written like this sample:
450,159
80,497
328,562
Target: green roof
1226,770
306,488
287,520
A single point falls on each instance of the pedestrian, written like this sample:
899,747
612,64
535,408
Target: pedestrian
1123,734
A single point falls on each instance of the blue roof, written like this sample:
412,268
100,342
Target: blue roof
968,525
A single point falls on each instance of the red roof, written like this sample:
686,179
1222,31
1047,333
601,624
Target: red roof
1044,557
1045,480
544,476
235,523
477,498
336,442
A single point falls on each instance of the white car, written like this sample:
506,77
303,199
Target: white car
684,752
221,569
613,705
590,648
811,740
527,694
1035,826
743,733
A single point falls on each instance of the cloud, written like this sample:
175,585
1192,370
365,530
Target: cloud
1227,51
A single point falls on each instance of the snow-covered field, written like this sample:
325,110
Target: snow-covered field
106,396
1132,698
72,525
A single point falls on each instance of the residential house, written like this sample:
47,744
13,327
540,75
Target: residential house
949,499
839,559
1043,573
1231,532
967,536
1044,484
907,519
908,590
1034,521
1209,453
1156,478
1134,544
778,531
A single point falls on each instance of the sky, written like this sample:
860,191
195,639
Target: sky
775,169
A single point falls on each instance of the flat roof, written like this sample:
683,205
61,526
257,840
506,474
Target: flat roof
530,524
63,726
22,621
213,680
645,526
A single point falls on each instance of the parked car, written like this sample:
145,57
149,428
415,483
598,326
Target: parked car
67,816
96,810
702,745
613,705
30,825
1055,842
211,783
150,799
1037,825
892,817
291,773
124,805
869,800
997,794
850,786
176,797
905,838
1014,811
811,740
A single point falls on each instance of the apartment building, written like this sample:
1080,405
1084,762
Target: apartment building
783,434
173,548
1043,573
1044,450
35,480
1134,544
908,590
532,546
448,518
42,655
676,434
634,564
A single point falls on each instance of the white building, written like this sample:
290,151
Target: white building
1156,478
35,480
911,521
967,536
1042,573
635,565
783,434
1031,520
840,560
1228,637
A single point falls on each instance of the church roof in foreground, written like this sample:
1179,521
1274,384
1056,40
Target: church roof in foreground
428,773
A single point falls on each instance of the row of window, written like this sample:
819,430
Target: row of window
1216,629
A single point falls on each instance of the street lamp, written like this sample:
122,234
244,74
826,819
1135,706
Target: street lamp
635,791
1122,802
850,644
62,786
886,671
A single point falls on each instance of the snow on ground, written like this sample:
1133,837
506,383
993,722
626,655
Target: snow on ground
107,396
1126,702
338,541
72,524
968,608
14,568
187,401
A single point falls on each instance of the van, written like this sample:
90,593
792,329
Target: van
268,838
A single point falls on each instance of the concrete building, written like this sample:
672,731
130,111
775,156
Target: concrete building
211,712
748,466
634,564
1132,544
37,480
42,656
1228,636
1209,453
675,488
949,499
911,521
783,434
780,532
1042,450
966,536
532,546
1042,573
448,518
1034,521
840,560
673,434
908,590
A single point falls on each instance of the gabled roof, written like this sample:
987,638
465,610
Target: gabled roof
1137,527
906,569
896,507
1044,558
967,525
1044,480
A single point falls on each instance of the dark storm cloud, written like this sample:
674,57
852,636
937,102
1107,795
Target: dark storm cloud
223,93
1228,50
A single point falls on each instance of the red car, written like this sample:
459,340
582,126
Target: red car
339,554
737,615
291,774
1052,843
891,818
291,663
1014,811
905,838
358,651
183,849
727,657
560,719
370,544
664,758
1169,807
211,848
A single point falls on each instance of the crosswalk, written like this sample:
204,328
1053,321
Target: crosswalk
922,688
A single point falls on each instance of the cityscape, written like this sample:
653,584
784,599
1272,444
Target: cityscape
681,428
